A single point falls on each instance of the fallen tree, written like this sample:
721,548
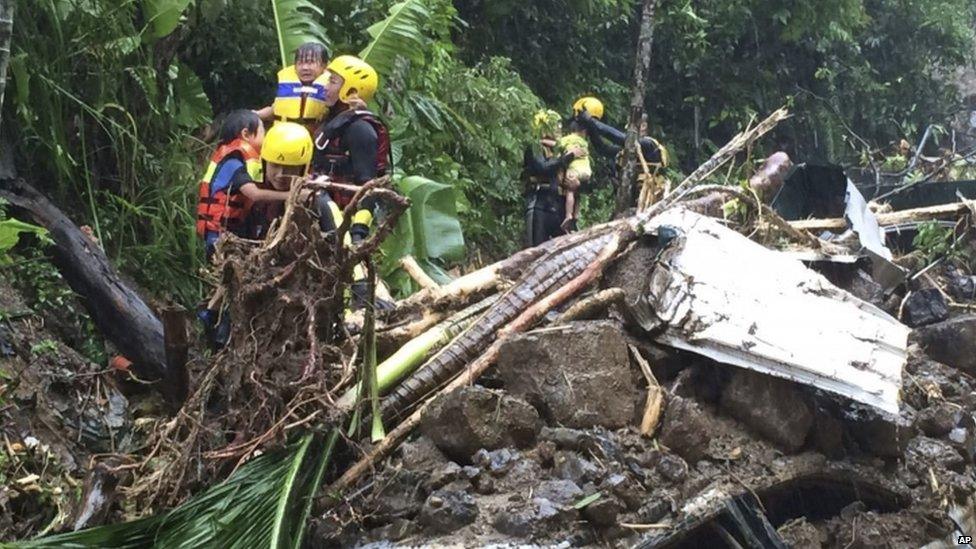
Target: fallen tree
120,314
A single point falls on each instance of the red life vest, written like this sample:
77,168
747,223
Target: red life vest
332,156
217,208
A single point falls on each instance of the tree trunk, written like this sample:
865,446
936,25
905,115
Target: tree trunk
6,33
642,66
120,313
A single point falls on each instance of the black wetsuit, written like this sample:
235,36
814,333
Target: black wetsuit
545,207
609,141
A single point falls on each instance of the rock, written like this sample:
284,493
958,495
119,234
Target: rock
624,488
925,307
446,511
518,524
570,466
924,453
496,462
865,288
672,467
603,512
774,408
654,510
952,342
580,376
559,492
884,437
446,474
421,455
937,420
961,287
686,429
568,439
472,418
396,530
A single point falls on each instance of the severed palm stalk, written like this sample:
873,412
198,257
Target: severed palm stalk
551,271
369,354
411,354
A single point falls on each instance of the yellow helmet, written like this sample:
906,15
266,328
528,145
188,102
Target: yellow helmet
545,123
357,75
288,144
591,105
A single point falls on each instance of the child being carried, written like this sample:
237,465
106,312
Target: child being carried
578,172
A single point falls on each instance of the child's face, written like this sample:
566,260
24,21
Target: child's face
309,68
256,138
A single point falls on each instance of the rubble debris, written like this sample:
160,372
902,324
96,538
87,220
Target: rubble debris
771,406
925,307
746,314
475,418
961,287
447,510
952,342
580,374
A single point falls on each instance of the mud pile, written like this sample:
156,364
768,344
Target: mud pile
546,450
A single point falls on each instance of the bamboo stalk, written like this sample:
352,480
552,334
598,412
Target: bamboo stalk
525,320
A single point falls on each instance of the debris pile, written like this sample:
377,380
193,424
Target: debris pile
664,379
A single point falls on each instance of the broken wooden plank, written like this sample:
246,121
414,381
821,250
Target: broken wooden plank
717,293
942,211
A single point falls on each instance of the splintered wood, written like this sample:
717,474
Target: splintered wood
717,293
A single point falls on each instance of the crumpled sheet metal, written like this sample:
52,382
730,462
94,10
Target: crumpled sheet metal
717,293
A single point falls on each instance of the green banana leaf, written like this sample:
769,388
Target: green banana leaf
163,16
297,22
10,231
401,34
430,231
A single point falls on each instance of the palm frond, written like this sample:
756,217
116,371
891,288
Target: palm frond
265,504
401,34
295,24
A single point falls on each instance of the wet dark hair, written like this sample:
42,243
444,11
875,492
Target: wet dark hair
236,122
312,51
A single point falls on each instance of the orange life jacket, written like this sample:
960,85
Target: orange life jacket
217,208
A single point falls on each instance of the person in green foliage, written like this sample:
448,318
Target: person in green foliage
543,176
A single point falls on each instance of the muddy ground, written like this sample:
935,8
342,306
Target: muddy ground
545,450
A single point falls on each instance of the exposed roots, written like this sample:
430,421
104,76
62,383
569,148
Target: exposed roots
285,298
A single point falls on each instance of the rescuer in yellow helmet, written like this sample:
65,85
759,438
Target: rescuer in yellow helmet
609,141
352,147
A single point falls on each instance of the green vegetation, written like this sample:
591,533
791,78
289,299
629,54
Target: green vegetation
112,106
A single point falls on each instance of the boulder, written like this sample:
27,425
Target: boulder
772,407
578,376
472,418
952,342
884,437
